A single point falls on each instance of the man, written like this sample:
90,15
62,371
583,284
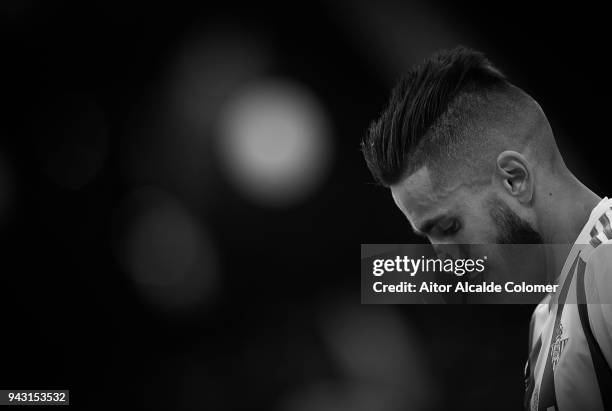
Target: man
470,158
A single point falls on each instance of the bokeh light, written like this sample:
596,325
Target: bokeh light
379,363
208,68
170,144
275,142
166,251
379,360
355,336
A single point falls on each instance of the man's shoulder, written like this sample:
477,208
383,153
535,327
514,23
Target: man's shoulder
598,275
600,254
599,260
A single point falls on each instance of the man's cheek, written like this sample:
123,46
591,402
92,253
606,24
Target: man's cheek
485,234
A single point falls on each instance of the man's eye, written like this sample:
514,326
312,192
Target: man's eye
450,228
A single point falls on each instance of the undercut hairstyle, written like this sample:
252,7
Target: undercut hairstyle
441,111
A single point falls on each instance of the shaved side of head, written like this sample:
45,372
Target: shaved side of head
464,142
454,114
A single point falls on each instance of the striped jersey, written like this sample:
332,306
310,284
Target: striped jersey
569,365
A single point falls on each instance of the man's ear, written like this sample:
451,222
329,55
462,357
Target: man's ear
513,171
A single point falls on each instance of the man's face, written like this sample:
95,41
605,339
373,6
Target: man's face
462,222
455,213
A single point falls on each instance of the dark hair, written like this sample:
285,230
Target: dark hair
420,98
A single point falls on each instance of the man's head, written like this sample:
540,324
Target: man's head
466,154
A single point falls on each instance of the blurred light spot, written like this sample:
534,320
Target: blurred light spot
373,345
74,141
171,144
209,67
275,142
356,336
166,252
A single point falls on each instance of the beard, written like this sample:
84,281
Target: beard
511,229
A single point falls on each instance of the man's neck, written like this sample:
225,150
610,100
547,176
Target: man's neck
568,210
565,215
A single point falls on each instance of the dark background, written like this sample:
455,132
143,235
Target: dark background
91,116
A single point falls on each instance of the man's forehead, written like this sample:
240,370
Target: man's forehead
420,199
